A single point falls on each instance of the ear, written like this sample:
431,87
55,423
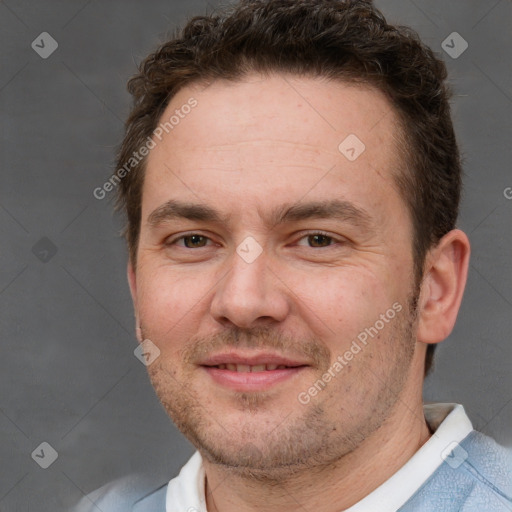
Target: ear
443,285
132,281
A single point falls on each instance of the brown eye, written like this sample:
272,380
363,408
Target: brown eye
194,241
319,240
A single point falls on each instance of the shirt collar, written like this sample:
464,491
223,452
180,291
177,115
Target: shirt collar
448,421
450,425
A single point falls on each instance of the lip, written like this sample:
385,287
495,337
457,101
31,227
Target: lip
251,381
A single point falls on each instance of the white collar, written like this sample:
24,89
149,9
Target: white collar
451,425
449,421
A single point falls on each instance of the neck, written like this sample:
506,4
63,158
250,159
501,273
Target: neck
327,489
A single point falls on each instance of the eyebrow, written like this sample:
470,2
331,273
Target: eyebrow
332,209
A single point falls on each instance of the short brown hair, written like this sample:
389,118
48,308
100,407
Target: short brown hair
343,40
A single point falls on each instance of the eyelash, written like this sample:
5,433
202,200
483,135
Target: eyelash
313,233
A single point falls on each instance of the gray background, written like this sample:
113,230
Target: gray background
68,375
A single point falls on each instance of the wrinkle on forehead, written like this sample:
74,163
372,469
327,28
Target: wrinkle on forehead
258,142
254,155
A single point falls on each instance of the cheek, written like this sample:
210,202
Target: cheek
167,302
343,300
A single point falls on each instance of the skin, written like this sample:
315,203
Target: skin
246,149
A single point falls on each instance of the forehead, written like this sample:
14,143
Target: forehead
270,104
278,130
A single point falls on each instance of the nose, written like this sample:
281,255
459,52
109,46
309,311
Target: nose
250,295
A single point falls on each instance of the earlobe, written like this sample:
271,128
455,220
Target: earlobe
443,287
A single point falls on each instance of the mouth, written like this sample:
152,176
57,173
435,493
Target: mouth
259,372
245,368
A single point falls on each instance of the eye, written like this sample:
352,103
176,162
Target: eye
191,241
319,239
314,240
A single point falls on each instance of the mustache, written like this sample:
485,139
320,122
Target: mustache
265,338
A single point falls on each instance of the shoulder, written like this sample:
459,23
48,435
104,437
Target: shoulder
476,476
133,492
141,493
489,464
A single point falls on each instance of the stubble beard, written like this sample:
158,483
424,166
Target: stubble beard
312,436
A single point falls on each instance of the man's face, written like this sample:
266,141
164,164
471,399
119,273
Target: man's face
251,311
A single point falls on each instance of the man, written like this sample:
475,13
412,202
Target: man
291,181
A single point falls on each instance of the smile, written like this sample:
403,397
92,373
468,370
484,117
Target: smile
245,368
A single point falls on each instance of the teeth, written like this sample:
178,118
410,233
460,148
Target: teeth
245,368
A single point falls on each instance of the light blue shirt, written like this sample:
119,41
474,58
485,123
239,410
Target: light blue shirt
457,470
481,483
